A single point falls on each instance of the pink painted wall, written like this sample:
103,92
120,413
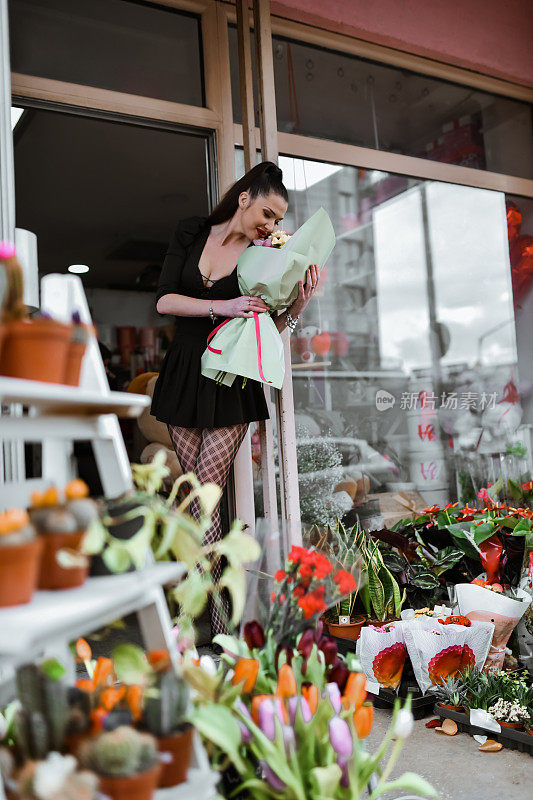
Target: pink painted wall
490,36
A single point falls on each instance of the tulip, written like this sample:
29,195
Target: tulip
271,777
208,665
333,694
289,739
305,711
339,673
254,634
310,693
362,720
404,724
286,682
246,670
307,640
355,690
340,737
267,713
329,648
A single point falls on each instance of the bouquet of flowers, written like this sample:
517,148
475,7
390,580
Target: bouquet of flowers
252,347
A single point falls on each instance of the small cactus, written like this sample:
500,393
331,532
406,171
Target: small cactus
121,752
166,706
41,721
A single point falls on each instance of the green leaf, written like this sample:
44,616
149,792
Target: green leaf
232,644
238,547
53,668
324,780
234,580
514,490
187,543
131,664
482,532
138,546
116,558
191,593
94,539
410,782
208,497
217,724
522,528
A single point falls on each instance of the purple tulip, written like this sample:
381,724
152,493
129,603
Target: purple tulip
271,777
339,673
329,648
289,653
305,711
333,694
307,640
254,634
267,713
340,737
289,739
345,777
319,629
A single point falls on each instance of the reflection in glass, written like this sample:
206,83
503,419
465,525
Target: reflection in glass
404,365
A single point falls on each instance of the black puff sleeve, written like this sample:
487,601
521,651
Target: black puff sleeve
182,238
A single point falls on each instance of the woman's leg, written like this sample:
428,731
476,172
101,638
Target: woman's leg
186,442
217,453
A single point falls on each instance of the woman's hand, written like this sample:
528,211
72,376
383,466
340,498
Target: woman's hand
239,307
305,292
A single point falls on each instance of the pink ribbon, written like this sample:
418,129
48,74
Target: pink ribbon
257,341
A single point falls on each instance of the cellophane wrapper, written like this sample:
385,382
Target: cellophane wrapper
272,274
381,652
438,651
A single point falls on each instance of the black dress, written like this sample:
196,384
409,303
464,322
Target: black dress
182,396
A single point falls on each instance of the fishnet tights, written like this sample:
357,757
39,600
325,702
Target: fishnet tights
209,453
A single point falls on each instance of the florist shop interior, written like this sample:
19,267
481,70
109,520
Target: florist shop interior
385,543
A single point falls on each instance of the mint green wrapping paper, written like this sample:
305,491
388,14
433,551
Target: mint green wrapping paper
273,275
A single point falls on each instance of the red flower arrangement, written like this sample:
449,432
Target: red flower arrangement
307,587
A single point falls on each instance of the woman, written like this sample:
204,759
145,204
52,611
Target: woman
198,286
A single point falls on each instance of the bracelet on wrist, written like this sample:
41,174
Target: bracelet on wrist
291,321
212,313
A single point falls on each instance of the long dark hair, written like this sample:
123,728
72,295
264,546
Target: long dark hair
262,179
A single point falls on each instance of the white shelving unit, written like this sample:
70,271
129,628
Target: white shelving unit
55,416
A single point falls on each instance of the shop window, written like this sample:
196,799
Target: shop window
406,373
134,47
344,98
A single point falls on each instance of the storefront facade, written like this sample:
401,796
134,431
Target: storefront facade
413,130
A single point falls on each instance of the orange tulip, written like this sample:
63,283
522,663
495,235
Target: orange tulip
83,650
85,684
362,720
159,659
111,697
355,690
311,695
246,671
256,702
103,672
286,682
134,697
97,718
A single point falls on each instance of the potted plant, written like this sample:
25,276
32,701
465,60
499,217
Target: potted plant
56,776
79,339
36,348
341,620
125,761
528,723
509,713
20,555
41,719
63,527
450,694
163,716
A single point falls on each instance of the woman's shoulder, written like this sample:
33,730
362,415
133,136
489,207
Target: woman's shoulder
187,229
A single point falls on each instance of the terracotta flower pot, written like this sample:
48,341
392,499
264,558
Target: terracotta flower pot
529,730
516,726
450,707
19,570
131,787
179,746
53,575
75,353
35,349
350,631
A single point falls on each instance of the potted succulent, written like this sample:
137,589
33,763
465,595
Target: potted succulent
163,716
56,776
509,713
36,348
63,526
20,554
41,720
450,694
125,761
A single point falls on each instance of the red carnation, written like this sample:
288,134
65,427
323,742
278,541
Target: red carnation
297,554
280,575
345,581
313,603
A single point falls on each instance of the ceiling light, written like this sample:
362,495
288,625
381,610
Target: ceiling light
78,269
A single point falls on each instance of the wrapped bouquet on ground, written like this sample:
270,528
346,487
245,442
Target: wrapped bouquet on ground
252,347
381,651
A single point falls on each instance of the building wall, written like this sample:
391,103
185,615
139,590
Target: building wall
489,36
